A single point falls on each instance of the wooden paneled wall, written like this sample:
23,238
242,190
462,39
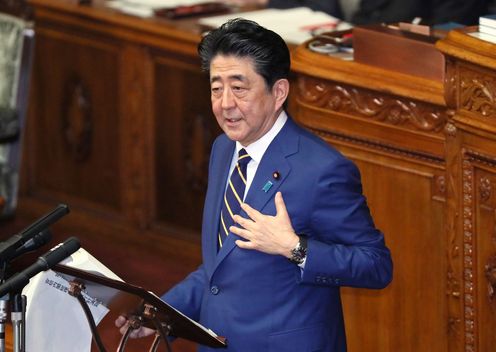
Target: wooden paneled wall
393,126
120,129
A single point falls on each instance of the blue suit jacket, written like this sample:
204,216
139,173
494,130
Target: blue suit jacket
262,302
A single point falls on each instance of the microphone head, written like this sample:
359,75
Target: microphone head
42,238
61,251
36,242
45,221
71,245
11,247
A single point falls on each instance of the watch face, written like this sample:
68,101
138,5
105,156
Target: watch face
298,253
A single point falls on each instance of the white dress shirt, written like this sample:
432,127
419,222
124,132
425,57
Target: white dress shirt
256,150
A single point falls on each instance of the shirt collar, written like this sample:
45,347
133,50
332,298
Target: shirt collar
257,149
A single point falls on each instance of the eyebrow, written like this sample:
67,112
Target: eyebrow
217,78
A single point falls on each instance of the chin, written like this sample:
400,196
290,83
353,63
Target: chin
237,137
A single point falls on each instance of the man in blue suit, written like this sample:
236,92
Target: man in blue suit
303,229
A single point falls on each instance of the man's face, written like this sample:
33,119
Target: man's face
243,106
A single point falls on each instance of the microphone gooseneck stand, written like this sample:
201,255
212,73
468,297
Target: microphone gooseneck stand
136,321
4,301
163,330
18,315
32,237
3,319
75,290
14,285
18,318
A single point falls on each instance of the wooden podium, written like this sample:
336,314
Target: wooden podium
427,153
136,303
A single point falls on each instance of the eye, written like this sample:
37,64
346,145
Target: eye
216,90
238,90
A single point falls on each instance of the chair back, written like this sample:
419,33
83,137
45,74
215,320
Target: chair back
16,52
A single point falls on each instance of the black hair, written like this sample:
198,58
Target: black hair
247,39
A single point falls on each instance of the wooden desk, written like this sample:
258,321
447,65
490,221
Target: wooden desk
392,125
427,156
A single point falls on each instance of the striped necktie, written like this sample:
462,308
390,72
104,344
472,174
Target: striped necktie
234,195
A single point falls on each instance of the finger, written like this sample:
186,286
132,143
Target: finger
246,223
143,331
245,244
252,213
123,329
280,206
120,321
136,334
240,232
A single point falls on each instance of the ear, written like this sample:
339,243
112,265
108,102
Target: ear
280,91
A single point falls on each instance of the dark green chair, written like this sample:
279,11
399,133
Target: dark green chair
16,51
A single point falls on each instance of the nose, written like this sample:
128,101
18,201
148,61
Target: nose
227,99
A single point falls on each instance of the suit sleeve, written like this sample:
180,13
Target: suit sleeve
345,248
187,295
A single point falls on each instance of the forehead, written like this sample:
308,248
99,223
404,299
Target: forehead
230,66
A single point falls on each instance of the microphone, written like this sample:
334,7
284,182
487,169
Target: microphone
9,247
44,262
36,242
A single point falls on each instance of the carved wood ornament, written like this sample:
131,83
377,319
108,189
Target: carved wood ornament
372,105
370,144
77,124
468,255
454,277
485,191
471,187
490,273
478,92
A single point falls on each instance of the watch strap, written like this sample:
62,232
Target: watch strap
299,253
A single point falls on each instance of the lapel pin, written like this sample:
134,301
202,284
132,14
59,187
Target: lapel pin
276,175
267,186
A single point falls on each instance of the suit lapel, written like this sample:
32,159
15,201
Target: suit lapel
219,178
274,160
265,185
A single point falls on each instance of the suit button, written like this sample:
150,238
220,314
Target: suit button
214,290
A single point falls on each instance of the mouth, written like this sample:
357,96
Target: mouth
232,119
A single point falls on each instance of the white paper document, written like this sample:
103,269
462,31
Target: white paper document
294,25
55,321
145,8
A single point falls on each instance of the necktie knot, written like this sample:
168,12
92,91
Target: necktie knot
243,158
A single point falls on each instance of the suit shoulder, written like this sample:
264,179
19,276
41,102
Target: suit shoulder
314,147
220,142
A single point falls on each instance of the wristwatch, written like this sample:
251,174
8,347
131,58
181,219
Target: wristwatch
299,252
